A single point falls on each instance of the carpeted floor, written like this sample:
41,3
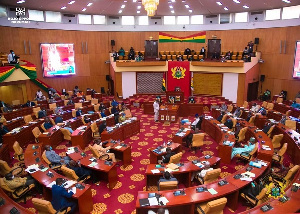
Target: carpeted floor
122,198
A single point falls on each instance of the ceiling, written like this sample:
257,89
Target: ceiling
112,7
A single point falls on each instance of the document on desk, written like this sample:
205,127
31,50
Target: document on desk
70,150
163,200
73,190
155,171
92,164
51,184
118,147
212,191
246,179
153,201
44,169
32,168
68,184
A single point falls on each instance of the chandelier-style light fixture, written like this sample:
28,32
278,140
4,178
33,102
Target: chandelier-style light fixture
150,6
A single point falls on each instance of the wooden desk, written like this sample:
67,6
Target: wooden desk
154,157
183,175
14,123
168,113
18,113
122,132
148,108
52,137
83,197
180,139
82,138
175,94
4,153
123,153
107,172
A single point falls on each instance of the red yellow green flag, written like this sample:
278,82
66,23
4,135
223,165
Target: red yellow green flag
196,38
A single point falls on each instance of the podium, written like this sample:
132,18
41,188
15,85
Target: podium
178,96
168,113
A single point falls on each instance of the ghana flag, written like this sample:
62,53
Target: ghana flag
197,38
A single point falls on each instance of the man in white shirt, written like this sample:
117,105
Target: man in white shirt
39,94
255,108
206,169
11,57
197,118
156,110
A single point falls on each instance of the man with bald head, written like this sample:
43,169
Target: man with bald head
55,158
79,171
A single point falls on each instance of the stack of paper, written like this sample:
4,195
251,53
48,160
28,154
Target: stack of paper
164,200
69,184
93,164
32,168
70,150
212,191
172,166
265,147
248,174
118,147
155,171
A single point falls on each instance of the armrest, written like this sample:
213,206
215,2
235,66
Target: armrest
279,157
199,207
17,168
65,209
245,154
105,157
21,190
250,196
21,157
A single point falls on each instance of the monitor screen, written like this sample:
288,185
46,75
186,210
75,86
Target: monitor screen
58,60
296,69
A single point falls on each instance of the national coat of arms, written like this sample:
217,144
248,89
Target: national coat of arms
178,72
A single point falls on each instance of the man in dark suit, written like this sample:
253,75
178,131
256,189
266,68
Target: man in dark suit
29,104
166,158
167,177
202,52
79,171
60,197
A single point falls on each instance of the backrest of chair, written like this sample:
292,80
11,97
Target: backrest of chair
215,206
45,158
127,113
88,97
43,206
27,118
234,121
288,112
279,100
43,127
94,127
94,152
36,132
270,106
66,102
262,196
212,176
69,173
283,149
52,121
270,131
242,133
176,158
4,186
290,175
52,106
198,137
297,100
36,109
82,119
4,168
73,113
224,118
245,105
94,102
16,102
254,150
66,133
291,124
230,108
277,138
168,185
264,104
252,119
96,107
17,148
62,97
78,105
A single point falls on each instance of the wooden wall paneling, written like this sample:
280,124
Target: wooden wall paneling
11,92
118,83
241,90
205,83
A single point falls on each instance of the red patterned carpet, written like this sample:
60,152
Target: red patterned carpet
122,198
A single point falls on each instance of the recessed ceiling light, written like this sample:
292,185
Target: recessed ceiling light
237,1
245,6
219,3
286,1
125,1
173,0
138,11
225,8
64,7
84,9
139,7
20,2
170,6
123,6
134,0
172,11
71,2
89,4
190,11
169,2
120,11
187,6
183,1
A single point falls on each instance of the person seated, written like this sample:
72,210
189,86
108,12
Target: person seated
48,123
122,117
295,105
114,103
58,110
249,116
187,51
283,94
86,119
39,95
177,88
262,111
11,58
237,112
171,99
58,119
200,175
228,55
29,104
78,112
223,107
131,56
6,107
283,119
159,211
167,177
195,122
51,92
115,56
250,45
102,127
229,123
253,189
179,58
102,151
245,52
79,171
215,55
191,100
221,116
247,147
60,196
101,106
68,127
3,131
55,158
114,110
166,158
267,127
121,52
70,102
131,49
158,98
255,108
42,113
266,95
103,113
76,89
202,52
2,119
14,182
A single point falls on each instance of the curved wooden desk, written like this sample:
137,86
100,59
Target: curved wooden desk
154,157
9,204
84,197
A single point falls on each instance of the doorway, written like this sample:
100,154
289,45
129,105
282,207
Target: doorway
214,45
252,93
151,49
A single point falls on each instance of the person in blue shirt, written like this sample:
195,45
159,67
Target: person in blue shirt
114,110
58,119
60,197
47,123
54,158
295,105
103,113
248,147
68,127
78,112
114,103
